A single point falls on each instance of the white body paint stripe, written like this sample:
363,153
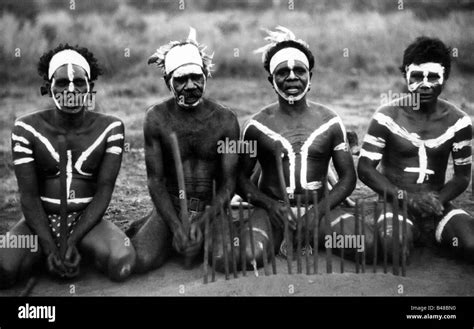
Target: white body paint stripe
341,147
338,219
20,139
91,148
388,122
464,161
286,144
445,220
21,149
460,145
375,141
390,215
304,149
114,150
259,230
43,139
22,160
114,137
75,201
374,156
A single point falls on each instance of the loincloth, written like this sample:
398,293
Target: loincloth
55,224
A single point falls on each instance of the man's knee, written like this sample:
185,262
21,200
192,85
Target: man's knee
121,264
8,276
467,248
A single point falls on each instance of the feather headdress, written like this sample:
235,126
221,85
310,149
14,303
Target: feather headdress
280,34
159,57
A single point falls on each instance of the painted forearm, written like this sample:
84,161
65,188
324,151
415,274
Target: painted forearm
453,188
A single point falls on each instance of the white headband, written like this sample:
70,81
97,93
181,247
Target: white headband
187,69
68,56
181,55
286,54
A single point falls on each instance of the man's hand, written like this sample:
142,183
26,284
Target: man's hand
180,239
194,242
55,264
279,213
425,204
71,261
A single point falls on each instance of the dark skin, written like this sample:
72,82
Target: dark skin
428,122
198,130
40,178
295,122
426,200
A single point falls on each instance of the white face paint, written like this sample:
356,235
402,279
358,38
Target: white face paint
71,87
419,75
291,99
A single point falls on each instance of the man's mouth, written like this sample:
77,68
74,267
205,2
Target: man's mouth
292,90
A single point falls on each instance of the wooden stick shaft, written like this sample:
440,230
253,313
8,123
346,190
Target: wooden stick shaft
385,251
395,238
271,245
243,255
342,249
206,247
404,234
362,232
306,233
183,201
315,232
298,235
231,240
376,233
328,227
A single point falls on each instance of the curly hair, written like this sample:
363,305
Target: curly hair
43,64
424,50
267,56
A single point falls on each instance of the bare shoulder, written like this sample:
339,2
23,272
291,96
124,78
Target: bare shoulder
221,111
103,119
450,110
158,112
266,114
36,118
323,111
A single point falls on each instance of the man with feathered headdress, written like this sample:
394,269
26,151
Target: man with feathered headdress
310,135
199,124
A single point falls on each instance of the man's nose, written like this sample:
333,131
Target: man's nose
189,84
71,87
292,75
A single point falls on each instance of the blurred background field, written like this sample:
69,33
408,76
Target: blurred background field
122,34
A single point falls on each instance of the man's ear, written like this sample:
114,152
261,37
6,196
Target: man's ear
91,86
46,89
167,81
310,75
270,79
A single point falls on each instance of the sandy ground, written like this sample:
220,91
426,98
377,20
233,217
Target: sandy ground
430,274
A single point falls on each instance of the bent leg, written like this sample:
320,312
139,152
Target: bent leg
456,232
16,263
388,235
152,242
342,234
110,249
261,236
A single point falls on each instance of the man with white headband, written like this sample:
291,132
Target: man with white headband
413,145
310,135
199,124
66,161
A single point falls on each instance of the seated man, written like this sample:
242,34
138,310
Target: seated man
311,135
66,160
199,124
412,138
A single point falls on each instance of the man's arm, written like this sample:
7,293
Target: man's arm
462,159
371,153
344,166
107,175
31,204
155,173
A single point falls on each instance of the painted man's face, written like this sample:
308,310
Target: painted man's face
188,88
291,77
70,87
426,79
